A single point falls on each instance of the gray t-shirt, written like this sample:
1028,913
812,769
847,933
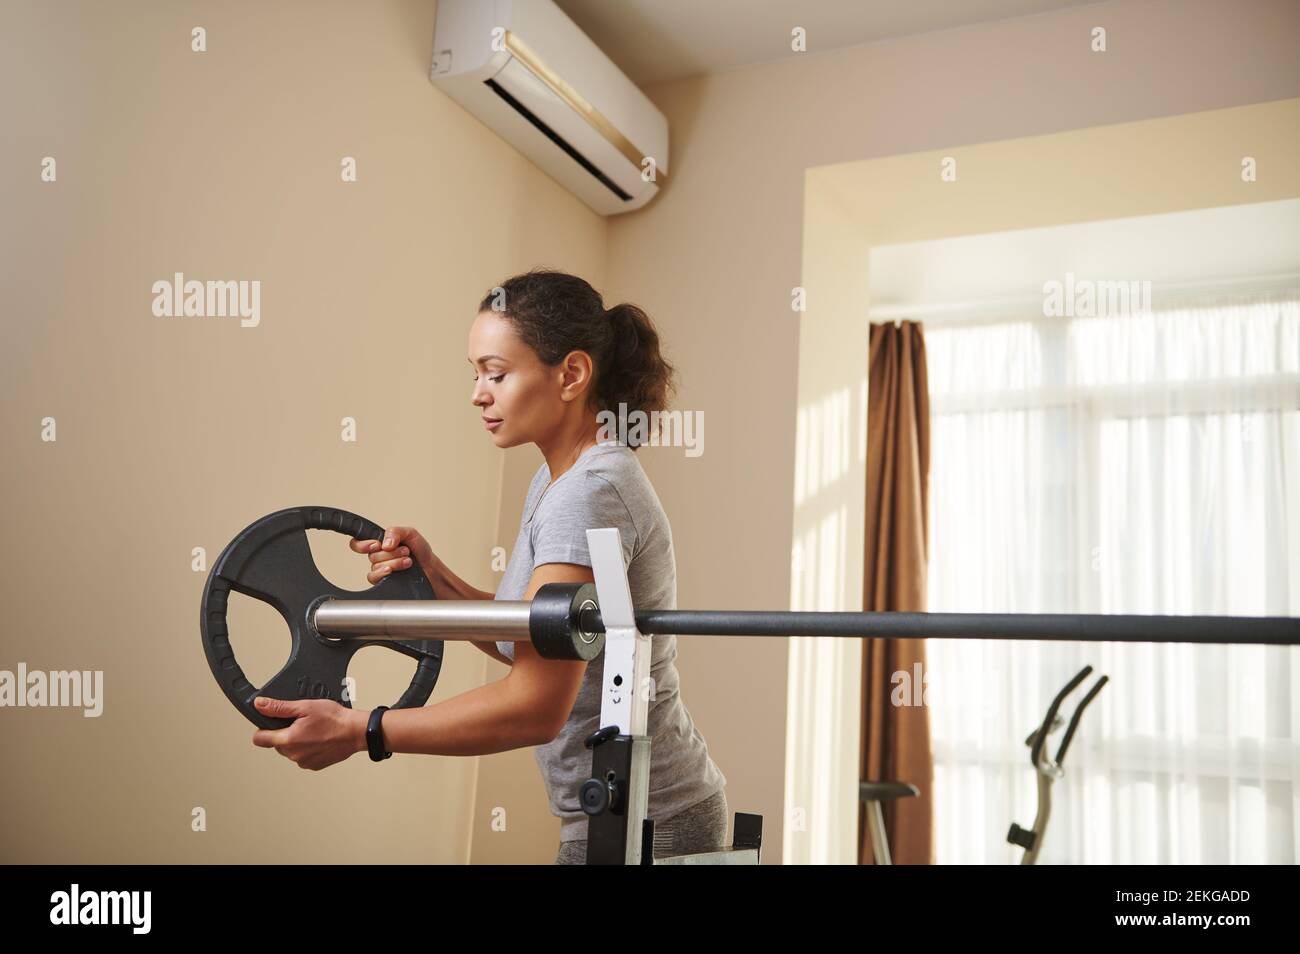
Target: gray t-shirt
606,487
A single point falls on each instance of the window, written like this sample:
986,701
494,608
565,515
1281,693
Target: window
1139,463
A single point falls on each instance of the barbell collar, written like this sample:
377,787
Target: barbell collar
552,621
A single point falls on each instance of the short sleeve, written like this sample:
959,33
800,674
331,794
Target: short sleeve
563,519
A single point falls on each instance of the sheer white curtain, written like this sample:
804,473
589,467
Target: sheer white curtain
1145,463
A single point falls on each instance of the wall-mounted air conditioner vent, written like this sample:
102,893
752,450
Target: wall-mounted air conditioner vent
529,73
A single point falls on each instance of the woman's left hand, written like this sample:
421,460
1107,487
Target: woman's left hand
323,732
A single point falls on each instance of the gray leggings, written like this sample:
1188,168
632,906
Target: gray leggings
702,827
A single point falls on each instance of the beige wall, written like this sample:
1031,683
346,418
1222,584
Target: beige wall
176,433
714,258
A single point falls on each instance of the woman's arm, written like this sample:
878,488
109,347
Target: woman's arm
448,586
528,707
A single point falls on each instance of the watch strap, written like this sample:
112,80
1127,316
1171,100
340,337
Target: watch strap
375,736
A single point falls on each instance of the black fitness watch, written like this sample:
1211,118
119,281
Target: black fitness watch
375,736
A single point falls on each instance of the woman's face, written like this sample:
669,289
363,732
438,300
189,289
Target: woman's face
511,384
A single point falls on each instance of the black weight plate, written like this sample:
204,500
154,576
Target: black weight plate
271,561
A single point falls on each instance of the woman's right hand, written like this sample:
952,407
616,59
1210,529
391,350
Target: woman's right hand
395,552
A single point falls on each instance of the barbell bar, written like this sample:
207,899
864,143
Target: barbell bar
565,621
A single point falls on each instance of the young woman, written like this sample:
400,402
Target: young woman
548,357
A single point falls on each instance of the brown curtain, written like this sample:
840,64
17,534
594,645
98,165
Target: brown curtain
896,739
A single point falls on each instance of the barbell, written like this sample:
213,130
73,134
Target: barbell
271,561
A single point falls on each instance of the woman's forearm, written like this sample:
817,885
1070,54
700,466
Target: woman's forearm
448,586
492,718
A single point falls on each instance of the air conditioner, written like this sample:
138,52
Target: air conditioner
527,72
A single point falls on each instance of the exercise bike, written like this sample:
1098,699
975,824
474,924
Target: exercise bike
1047,769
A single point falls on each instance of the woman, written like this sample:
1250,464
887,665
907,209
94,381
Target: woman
548,358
